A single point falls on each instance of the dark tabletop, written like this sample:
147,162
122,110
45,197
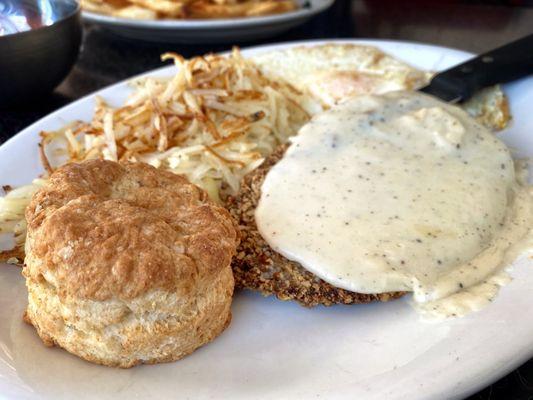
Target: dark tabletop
472,26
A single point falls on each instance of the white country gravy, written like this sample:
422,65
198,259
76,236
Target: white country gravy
399,192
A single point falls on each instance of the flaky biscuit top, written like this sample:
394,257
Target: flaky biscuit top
102,230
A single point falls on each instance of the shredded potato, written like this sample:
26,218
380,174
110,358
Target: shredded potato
12,221
214,121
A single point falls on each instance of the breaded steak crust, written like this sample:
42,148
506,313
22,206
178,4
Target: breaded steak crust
256,266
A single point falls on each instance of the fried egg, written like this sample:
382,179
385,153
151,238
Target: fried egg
331,73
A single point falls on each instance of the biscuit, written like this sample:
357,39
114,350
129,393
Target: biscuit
127,264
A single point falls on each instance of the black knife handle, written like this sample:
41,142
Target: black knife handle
504,64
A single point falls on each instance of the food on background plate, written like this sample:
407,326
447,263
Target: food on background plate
202,9
188,9
127,264
384,194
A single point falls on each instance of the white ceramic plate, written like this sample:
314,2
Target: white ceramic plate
279,350
212,30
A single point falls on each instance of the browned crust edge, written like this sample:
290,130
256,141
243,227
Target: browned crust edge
48,341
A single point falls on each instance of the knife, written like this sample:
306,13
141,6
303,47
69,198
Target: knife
504,64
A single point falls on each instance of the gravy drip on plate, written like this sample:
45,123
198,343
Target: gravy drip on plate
399,192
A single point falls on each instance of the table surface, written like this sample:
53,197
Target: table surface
475,27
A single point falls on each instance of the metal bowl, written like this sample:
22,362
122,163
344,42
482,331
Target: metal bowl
39,43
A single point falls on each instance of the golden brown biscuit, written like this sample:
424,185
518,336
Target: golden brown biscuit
127,264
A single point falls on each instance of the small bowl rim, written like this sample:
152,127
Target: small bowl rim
76,11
